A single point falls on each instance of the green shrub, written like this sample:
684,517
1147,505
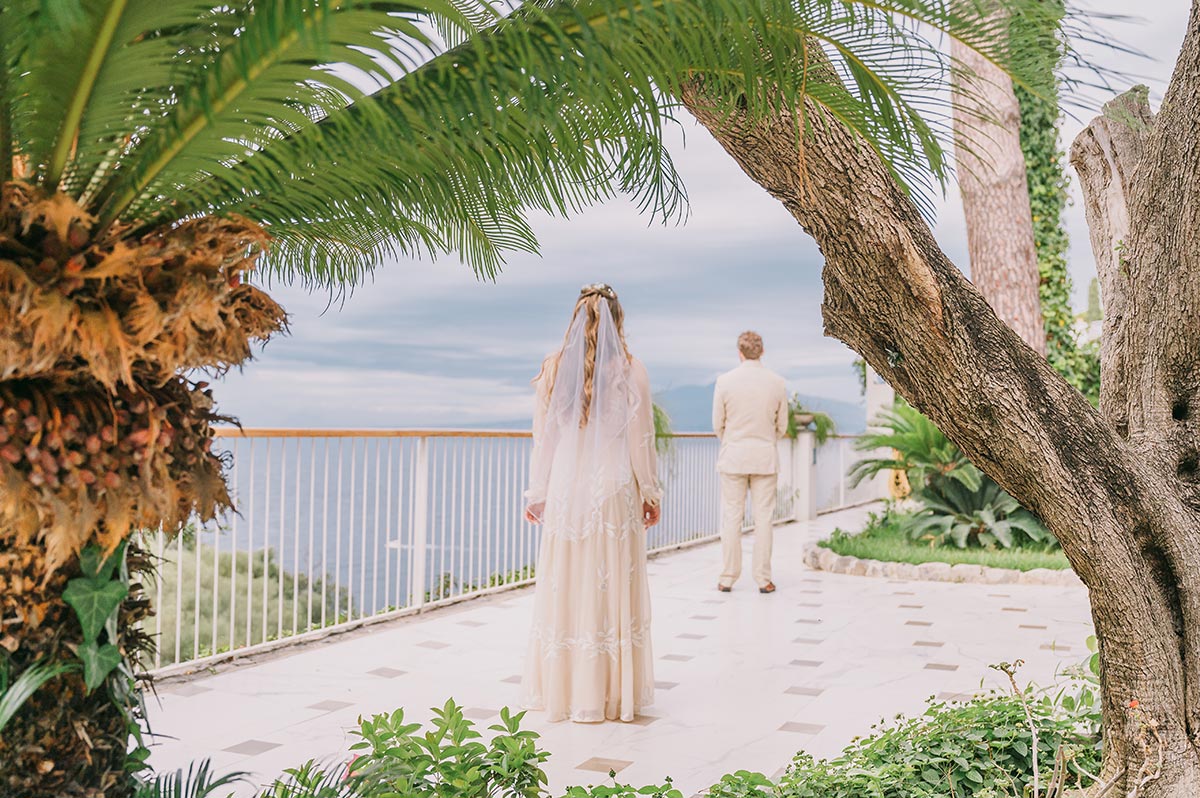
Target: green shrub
400,758
981,748
822,424
959,504
883,538
987,517
189,586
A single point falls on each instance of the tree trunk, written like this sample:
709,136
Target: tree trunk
101,436
995,194
64,741
1119,487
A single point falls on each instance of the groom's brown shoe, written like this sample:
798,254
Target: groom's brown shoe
769,587
725,588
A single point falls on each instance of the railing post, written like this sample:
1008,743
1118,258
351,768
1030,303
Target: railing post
804,475
880,397
420,531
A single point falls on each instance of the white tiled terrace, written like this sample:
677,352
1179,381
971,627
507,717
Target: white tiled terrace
745,680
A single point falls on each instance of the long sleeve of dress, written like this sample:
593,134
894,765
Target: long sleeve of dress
539,471
641,437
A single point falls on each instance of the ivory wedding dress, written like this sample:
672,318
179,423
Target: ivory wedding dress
589,653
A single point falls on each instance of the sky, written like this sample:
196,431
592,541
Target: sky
426,344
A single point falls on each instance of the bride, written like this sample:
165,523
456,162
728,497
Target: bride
593,484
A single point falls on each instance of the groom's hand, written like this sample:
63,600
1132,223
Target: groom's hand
650,513
533,513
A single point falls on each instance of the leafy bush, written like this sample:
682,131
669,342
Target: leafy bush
981,748
449,759
176,578
885,538
822,423
960,505
918,447
985,517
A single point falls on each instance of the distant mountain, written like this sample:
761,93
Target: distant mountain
690,409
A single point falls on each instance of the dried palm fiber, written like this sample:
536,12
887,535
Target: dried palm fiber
81,465
100,435
169,301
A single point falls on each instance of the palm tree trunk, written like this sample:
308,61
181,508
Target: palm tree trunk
64,741
995,195
100,437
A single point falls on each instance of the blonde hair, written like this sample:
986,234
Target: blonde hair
590,297
750,345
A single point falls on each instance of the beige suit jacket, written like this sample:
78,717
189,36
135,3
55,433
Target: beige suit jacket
750,414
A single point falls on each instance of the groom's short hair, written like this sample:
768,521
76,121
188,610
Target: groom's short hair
750,345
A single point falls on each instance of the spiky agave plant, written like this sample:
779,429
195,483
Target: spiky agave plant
154,155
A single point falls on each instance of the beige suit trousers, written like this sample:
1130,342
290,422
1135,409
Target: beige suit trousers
733,510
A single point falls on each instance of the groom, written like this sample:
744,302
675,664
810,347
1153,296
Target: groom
750,413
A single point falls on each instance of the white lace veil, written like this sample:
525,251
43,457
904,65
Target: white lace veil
581,461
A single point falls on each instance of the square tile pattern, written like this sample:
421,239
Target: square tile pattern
599,764
802,728
186,690
330,706
809,691
251,747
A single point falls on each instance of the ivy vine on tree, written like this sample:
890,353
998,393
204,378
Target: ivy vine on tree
1047,179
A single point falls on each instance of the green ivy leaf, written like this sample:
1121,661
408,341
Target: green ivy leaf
98,662
94,601
94,564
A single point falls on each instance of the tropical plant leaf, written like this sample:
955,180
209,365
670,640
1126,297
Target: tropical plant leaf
94,601
98,661
94,564
198,781
13,696
356,130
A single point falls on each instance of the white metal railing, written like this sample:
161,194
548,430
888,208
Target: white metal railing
832,489
342,527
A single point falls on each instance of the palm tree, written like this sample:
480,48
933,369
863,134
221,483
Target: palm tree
155,157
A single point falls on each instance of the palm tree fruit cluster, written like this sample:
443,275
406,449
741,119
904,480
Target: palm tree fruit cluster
104,430
124,312
79,464
99,433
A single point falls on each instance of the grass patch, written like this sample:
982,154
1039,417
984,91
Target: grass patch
883,540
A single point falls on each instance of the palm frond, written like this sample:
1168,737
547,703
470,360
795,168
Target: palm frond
13,696
359,129
198,781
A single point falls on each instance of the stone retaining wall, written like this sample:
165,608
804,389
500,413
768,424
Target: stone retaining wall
820,558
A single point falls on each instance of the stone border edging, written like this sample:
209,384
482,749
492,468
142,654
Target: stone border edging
820,558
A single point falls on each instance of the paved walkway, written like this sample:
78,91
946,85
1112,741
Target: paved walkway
745,680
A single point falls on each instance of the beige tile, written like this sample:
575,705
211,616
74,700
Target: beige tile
602,765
